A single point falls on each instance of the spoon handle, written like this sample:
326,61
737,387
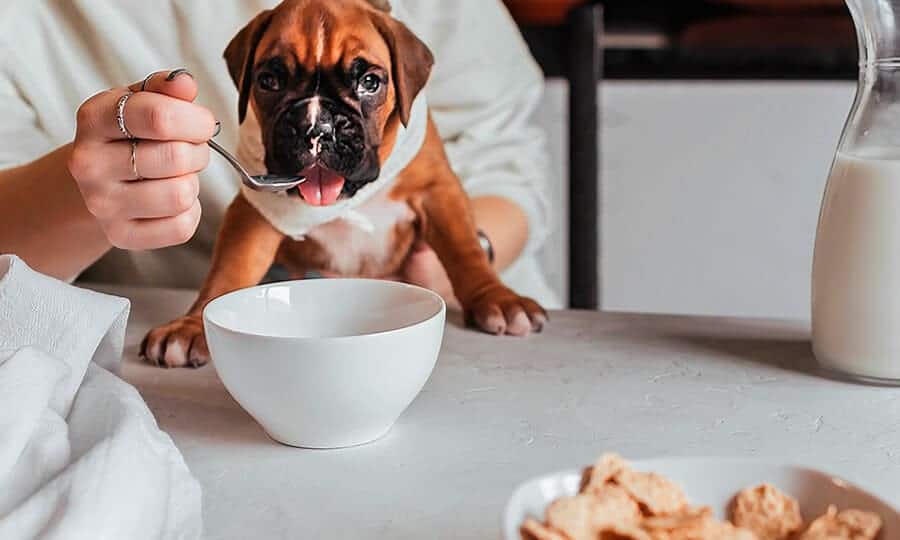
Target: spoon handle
232,160
265,182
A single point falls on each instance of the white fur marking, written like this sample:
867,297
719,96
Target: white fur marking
316,145
315,108
366,236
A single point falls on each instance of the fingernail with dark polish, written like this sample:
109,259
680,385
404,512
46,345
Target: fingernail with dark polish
177,72
218,128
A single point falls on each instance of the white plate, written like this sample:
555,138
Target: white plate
713,482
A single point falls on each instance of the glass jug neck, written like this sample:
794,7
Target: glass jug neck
877,30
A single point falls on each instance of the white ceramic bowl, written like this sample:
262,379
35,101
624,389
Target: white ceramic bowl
713,482
325,363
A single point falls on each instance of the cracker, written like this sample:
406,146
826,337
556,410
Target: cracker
694,524
534,530
614,506
867,524
602,472
845,525
766,511
625,532
691,517
718,530
572,516
587,514
657,495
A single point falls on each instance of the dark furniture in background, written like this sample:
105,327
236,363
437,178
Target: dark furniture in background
729,39
573,50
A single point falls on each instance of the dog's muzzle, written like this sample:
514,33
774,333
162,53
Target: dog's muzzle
320,131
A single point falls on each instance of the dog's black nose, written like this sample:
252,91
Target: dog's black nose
323,127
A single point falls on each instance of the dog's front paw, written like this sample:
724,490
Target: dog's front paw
180,343
501,311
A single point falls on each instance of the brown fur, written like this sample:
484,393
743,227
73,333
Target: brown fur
247,244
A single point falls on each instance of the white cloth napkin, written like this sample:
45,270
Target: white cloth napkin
81,456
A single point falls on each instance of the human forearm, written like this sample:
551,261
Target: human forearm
43,218
505,224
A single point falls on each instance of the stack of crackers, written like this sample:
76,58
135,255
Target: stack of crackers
618,503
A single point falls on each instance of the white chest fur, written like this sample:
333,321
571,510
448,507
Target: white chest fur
368,242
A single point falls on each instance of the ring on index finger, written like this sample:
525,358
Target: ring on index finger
146,80
120,115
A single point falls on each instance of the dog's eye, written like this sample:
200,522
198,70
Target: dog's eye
269,81
369,84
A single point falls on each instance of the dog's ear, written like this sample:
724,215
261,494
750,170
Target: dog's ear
239,56
412,62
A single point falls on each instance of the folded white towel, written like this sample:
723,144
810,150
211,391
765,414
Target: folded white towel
81,456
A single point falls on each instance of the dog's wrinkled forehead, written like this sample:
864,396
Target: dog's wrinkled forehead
316,35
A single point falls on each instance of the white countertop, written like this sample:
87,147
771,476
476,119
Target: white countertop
500,410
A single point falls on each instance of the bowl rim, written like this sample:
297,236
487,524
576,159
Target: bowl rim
442,309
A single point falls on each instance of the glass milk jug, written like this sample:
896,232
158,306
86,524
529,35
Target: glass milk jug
856,268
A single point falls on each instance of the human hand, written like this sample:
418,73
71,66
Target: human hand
144,192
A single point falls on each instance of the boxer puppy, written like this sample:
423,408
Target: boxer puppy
330,89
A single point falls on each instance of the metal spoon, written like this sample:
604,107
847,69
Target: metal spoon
262,182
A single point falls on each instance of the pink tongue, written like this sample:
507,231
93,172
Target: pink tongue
322,187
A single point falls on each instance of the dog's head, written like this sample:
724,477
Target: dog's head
329,82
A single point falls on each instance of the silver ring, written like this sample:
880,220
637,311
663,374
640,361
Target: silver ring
137,175
146,80
120,115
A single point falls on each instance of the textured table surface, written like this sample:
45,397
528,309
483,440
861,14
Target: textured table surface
498,411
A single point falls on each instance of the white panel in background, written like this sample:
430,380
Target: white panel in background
711,192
